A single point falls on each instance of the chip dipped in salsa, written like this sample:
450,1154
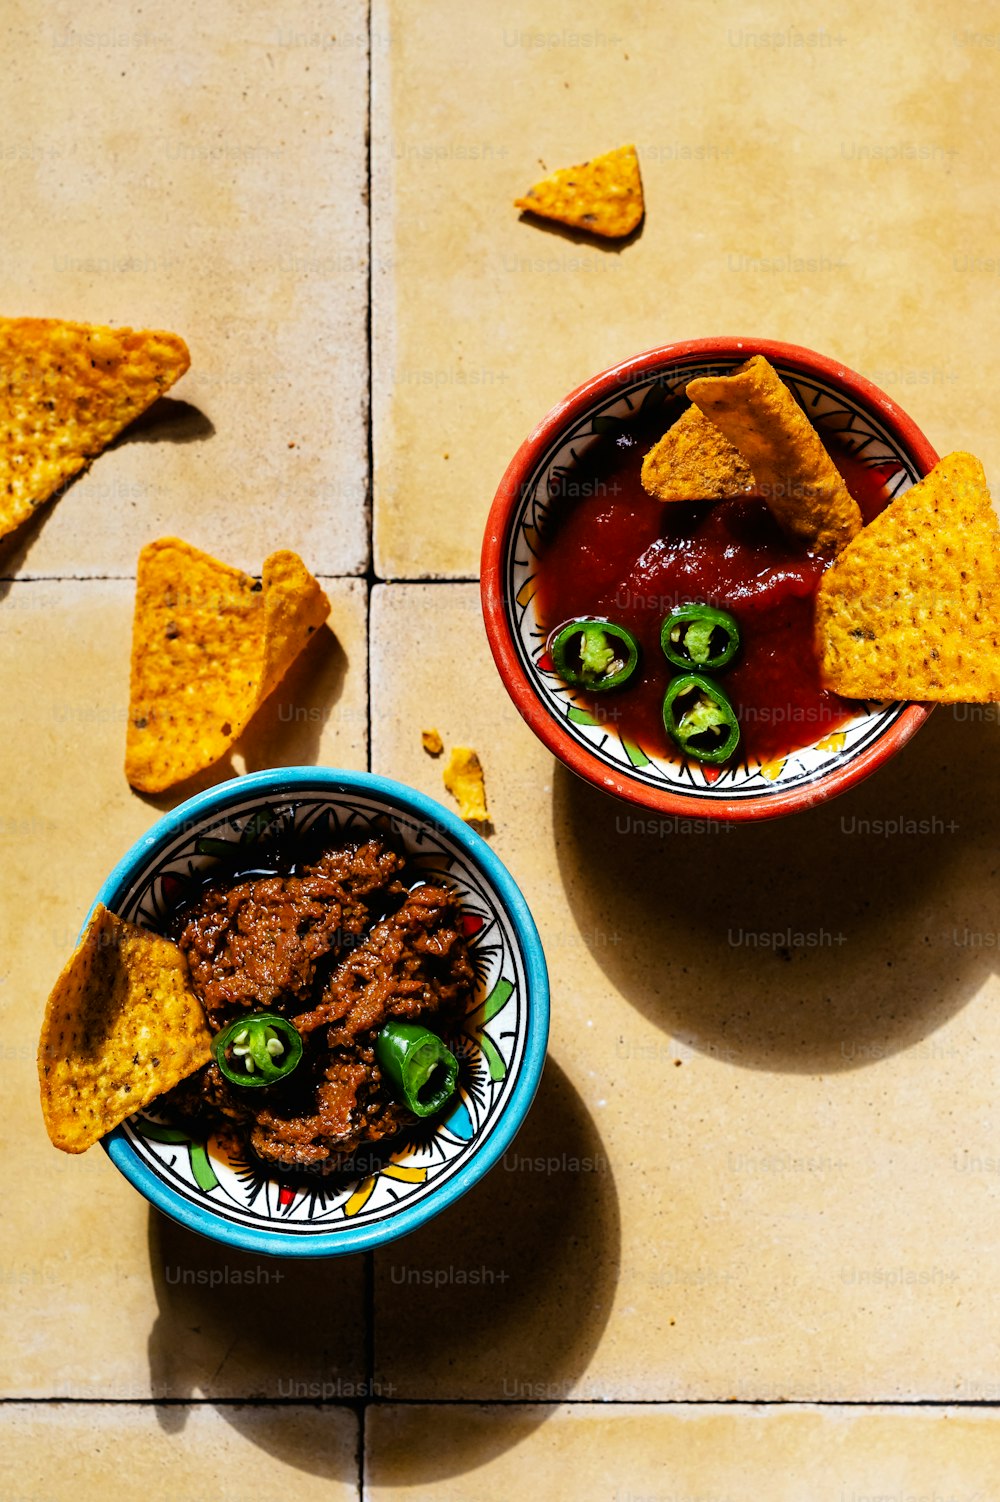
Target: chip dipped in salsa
611,551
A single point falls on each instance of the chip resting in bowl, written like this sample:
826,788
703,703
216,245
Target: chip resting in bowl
209,644
911,608
122,1025
68,389
602,196
693,461
795,475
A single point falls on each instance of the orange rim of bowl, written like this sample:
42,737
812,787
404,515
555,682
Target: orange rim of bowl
498,538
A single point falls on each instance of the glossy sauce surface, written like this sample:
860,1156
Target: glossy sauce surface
611,550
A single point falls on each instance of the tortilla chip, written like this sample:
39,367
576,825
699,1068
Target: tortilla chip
911,608
603,195
122,1026
294,606
794,473
431,742
67,390
463,777
209,644
693,461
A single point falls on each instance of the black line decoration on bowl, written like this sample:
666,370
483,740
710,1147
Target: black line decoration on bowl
831,411
490,1047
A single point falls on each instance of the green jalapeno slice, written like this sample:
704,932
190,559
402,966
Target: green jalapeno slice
594,654
257,1049
700,637
698,715
416,1064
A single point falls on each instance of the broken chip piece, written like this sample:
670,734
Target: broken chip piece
794,474
68,389
911,608
209,644
603,196
121,1026
694,461
431,742
463,777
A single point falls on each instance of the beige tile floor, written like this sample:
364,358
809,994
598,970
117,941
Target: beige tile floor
202,169
820,180
744,1246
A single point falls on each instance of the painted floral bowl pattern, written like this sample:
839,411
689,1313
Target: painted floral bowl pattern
839,402
501,1048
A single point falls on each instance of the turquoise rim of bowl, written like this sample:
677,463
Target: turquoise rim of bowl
283,781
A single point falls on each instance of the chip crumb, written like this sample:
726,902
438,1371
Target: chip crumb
68,390
463,777
602,196
122,1026
431,742
911,608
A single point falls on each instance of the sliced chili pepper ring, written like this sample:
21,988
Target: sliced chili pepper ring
699,637
698,715
594,654
420,1069
257,1049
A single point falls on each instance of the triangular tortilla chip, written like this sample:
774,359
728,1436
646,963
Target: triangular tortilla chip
693,461
911,608
209,644
603,195
68,389
794,473
121,1027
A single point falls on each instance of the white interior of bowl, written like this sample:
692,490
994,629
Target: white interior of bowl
832,411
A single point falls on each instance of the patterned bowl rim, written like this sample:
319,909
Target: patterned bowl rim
500,536
284,782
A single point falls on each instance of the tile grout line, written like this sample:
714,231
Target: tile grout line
368,1260
347,1406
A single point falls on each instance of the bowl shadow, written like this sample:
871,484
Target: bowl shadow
275,1316
545,1222
823,941
504,1297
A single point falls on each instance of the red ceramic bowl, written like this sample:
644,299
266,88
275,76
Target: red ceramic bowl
838,401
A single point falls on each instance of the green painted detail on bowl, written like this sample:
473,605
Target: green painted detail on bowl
635,754
201,1168
257,823
158,1133
495,1001
209,845
498,1069
581,716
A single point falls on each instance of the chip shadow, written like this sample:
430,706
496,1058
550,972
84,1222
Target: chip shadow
582,236
167,420
824,941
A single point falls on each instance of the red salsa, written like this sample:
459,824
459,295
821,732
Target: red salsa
611,550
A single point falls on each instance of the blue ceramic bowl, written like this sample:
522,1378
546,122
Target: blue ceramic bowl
501,1049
